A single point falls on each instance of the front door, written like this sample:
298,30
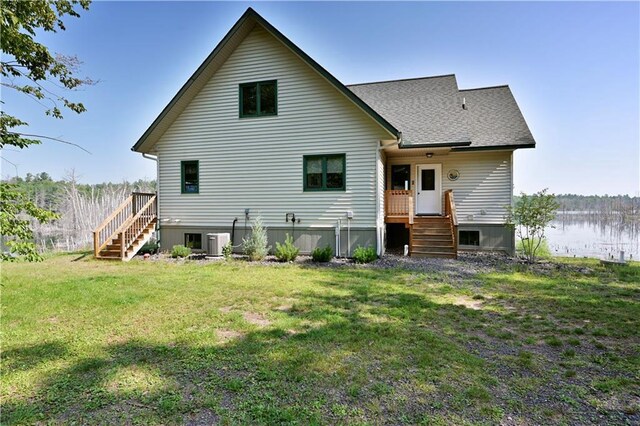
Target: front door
428,189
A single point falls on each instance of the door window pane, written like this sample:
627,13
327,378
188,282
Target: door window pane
428,179
400,175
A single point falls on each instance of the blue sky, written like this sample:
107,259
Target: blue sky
574,69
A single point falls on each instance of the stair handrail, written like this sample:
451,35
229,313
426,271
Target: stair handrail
126,224
129,221
450,206
450,210
99,244
127,234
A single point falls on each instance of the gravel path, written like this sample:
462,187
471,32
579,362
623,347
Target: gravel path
467,265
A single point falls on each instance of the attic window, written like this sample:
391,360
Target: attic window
259,99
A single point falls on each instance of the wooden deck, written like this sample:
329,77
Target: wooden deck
429,236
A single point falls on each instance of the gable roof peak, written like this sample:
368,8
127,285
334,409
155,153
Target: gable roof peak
218,56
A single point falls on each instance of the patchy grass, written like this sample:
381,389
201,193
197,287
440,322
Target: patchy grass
235,343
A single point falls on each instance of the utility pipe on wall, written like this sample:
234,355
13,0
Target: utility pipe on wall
152,158
379,220
338,231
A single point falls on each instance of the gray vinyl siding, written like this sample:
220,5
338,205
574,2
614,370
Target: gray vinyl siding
483,189
256,163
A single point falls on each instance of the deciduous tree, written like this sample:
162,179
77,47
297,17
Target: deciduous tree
530,215
29,68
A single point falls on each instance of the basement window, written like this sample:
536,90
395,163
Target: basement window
190,174
469,238
193,241
324,172
259,99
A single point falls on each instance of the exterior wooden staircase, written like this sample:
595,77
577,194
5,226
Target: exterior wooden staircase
435,236
127,229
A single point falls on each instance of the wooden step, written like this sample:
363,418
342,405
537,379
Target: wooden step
104,255
432,244
431,248
436,233
443,255
430,218
434,225
431,236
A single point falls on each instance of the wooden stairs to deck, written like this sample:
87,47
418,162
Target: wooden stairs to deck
127,229
432,236
435,236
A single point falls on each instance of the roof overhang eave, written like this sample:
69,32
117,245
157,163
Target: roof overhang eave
509,147
451,145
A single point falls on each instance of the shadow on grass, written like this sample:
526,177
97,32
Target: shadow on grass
375,352
364,355
28,357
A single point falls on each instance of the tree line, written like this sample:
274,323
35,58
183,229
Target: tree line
80,207
601,207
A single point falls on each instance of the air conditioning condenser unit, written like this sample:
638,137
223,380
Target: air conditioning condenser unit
216,242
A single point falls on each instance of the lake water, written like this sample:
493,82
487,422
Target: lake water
578,234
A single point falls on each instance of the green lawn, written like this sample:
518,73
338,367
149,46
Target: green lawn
234,343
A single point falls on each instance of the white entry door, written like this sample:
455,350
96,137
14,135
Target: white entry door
429,189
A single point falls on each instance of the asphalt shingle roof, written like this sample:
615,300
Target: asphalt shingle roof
429,111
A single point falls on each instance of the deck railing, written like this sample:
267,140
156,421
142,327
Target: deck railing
119,220
399,202
450,210
137,224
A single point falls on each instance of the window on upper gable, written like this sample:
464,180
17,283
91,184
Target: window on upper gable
259,99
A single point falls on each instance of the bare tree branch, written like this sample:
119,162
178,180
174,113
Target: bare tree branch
12,163
50,138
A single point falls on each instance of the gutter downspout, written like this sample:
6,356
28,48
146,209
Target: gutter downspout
152,158
379,220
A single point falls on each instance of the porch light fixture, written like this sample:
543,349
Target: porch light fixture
429,154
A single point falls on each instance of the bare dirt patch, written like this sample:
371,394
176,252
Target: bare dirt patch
283,308
225,334
469,303
256,319
202,417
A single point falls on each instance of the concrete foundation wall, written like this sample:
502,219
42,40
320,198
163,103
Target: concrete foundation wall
304,238
492,237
